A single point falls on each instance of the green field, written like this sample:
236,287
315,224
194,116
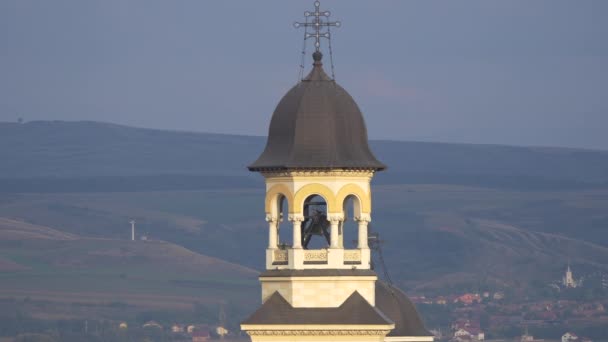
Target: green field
102,273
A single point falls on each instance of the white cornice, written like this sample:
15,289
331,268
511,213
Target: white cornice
318,173
316,332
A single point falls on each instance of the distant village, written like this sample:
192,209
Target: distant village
473,315
472,305
183,332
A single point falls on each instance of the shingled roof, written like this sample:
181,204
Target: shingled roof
354,311
317,125
400,309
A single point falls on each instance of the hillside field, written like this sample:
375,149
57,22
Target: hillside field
101,273
431,232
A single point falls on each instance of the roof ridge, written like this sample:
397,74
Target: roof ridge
355,310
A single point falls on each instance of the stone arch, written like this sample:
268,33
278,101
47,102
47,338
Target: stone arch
363,198
351,211
356,210
314,189
273,198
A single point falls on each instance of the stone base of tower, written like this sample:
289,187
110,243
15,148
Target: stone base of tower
355,319
318,288
333,305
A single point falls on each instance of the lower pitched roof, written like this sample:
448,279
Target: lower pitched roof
400,309
354,311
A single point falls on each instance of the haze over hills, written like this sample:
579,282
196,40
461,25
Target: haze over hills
453,217
91,156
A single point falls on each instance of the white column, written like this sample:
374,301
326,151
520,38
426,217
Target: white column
334,220
341,233
362,236
273,222
297,230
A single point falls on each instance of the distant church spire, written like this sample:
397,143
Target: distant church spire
568,280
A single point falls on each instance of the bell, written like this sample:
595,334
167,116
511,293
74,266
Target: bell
319,222
315,224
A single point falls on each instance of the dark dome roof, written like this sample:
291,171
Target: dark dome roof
400,309
317,125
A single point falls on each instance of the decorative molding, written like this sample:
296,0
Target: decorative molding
271,218
333,218
280,255
363,218
341,332
296,218
315,255
319,173
352,255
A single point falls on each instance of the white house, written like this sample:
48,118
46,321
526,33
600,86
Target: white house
569,337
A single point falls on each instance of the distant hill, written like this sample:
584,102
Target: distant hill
468,252
452,218
500,232
430,233
59,156
68,276
18,230
149,274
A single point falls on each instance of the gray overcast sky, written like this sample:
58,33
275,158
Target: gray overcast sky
504,72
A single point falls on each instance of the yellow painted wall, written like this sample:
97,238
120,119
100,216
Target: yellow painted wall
334,188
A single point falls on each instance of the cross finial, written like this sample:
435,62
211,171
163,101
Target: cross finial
318,24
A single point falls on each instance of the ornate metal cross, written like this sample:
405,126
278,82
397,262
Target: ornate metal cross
317,24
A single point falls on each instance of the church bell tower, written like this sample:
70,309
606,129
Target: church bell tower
318,166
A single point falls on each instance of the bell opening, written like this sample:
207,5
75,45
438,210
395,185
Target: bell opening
316,231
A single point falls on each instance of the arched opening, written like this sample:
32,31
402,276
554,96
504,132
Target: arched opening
315,228
351,208
284,233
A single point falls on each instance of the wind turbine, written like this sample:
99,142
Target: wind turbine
132,230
